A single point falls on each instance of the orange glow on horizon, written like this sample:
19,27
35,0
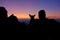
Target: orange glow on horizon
36,17
26,16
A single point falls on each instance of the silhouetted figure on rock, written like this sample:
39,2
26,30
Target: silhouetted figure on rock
3,19
50,24
13,19
13,23
16,25
3,15
42,22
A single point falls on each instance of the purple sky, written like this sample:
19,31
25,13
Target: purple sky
21,8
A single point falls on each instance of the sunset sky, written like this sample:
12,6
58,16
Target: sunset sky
22,8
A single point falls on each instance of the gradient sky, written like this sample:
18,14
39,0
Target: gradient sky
22,8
